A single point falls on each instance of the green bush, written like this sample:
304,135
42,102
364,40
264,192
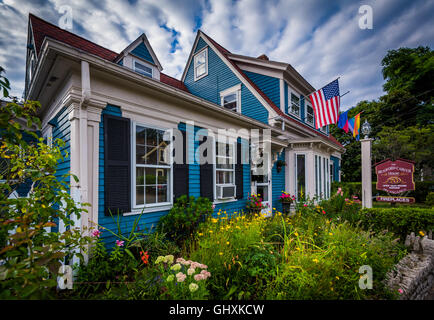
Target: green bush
401,221
422,189
430,199
184,217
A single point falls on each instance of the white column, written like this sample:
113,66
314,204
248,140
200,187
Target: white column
366,173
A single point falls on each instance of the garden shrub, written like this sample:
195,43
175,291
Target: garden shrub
422,189
184,217
401,221
430,199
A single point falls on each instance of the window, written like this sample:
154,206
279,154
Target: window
231,98
201,64
152,167
324,129
301,176
295,105
142,69
309,114
225,164
230,101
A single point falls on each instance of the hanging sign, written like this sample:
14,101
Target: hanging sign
395,176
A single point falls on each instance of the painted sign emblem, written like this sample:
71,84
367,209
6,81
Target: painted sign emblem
395,176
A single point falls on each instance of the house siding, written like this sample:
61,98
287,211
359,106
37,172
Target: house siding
269,85
220,77
142,52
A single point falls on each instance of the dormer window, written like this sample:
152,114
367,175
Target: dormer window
309,114
142,69
231,98
295,105
324,129
201,64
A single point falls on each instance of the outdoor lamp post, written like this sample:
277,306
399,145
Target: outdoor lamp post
366,166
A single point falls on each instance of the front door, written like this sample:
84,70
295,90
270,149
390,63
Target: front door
261,185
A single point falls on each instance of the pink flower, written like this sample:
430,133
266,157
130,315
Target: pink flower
96,233
305,205
180,277
400,291
199,277
213,206
119,243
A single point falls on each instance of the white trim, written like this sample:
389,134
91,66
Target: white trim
159,206
227,141
296,174
205,51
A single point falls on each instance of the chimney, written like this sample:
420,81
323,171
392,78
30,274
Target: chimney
263,57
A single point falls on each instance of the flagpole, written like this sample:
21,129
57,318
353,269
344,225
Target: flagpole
344,94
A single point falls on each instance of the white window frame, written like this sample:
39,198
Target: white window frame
313,114
324,129
145,64
296,173
137,209
234,143
291,93
233,90
205,52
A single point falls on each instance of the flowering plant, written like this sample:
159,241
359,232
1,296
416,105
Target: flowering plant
285,197
182,279
254,202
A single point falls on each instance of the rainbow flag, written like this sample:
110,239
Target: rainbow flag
356,126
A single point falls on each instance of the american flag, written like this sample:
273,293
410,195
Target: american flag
325,104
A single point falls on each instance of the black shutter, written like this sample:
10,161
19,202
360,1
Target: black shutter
180,172
117,165
239,172
207,176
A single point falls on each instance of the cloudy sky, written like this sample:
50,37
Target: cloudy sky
320,38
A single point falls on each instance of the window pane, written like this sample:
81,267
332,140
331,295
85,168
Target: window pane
140,195
162,175
151,194
140,154
295,99
163,153
142,69
220,177
228,177
200,70
200,58
151,155
301,177
152,137
162,193
263,192
140,176
151,176
140,135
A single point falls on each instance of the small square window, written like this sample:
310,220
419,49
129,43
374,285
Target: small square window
200,64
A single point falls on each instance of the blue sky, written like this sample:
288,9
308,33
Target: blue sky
320,38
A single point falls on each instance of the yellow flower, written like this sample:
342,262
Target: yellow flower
221,253
422,233
337,278
330,234
214,220
296,234
227,242
200,234
210,231
315,260
297,248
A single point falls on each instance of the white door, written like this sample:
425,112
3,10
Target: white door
262,186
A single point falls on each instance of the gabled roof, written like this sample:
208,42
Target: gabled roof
226,54
42,29
141,39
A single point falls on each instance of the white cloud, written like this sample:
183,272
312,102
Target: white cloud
321,39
